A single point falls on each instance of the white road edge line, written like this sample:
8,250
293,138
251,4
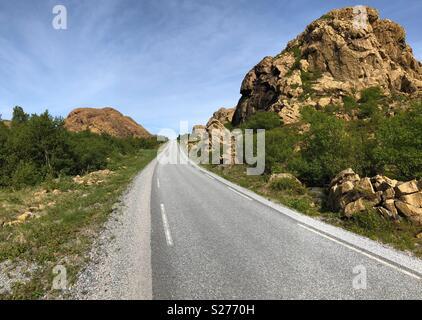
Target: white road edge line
210,176
158,183
360,251
240,194
166,226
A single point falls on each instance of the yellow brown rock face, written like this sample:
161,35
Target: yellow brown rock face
104,121
333,57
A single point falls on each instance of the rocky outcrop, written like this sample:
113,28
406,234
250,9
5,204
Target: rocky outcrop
393,199
335,56
104,121
223,116
217,133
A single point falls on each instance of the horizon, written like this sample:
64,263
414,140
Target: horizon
158,63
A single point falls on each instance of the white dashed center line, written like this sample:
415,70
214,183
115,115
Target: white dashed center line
166,226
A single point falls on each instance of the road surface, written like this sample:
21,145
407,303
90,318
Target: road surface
211,241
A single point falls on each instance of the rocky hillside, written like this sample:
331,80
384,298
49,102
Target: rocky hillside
332,59
104,121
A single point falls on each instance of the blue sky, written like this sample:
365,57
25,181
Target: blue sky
159,61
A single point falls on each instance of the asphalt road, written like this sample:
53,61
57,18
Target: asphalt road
209,241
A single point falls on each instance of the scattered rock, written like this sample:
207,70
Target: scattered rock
414,214
415,199
406,188
354,207
323,102
382,183
93,178
391,207
346,187
365,185
279,176
25,216
345,175
389,193
350,194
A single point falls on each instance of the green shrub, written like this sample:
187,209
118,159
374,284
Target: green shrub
280,146
371,220
26,174
288,185
38,146
398,148
327,149
370,102
19,116
326,17
263,120
371,95
308,79
350,104
302,204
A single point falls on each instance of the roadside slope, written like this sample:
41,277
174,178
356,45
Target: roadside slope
120,265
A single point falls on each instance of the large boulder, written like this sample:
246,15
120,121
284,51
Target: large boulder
406,188
412,213
354,207
333,57
104,121
414,199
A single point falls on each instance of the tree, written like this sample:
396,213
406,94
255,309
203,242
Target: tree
19,116
327,149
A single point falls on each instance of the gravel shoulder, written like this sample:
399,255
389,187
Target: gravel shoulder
120,259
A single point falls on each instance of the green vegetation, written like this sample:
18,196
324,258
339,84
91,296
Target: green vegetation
398,144
73,215
322,144
297,53
326,17
308,79
350,104
288,185
326,149
374,145
38,159
37,147
262,120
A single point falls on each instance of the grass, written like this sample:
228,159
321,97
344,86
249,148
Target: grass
401,235
65,231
